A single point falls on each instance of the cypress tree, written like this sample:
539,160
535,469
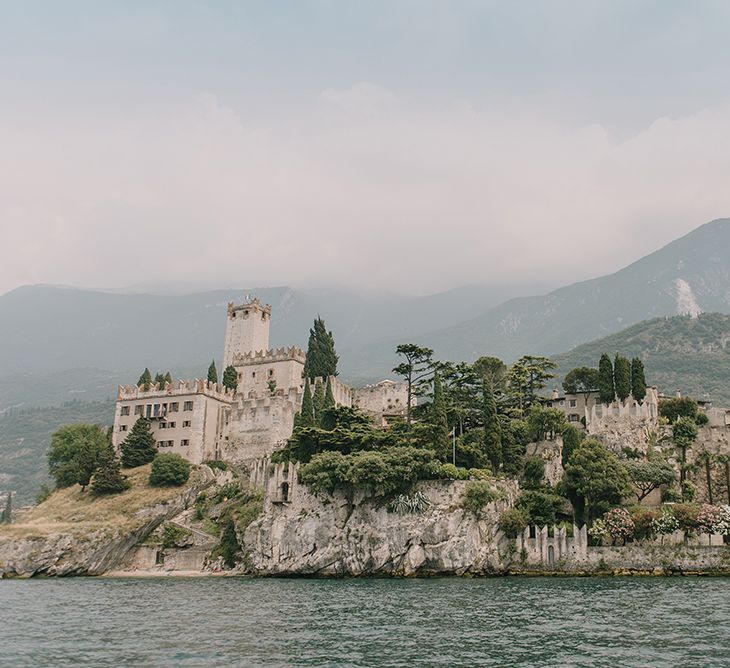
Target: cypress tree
108,478
605,380
139,447
145,379
326,418
622,377
321,361
438,414
212,373
159,380
638,380
7,515
167,379
318,401
306,417
230,378
492,428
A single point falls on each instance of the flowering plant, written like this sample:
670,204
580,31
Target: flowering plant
619,524
709,518
723,523
666,523
598,530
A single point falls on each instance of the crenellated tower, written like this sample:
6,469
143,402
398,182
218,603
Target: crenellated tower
247,329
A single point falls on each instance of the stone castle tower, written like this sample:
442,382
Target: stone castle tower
247,329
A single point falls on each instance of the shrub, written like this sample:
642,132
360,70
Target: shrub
512,522
708,518
539,508
686,515
671,495
701,419
666,523
216,464
643,521
689,491
451,472
228,491
169,470
619,524
43,493
173,535
402,504
480,474
533,472
599,531
477,495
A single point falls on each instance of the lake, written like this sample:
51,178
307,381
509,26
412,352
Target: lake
366,622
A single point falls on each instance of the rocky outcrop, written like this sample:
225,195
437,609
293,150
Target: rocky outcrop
339,536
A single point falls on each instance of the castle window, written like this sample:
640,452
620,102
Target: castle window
185,442
245,314
122,427
253,374
573,403
171,425
271,372
573,418
188,406
138,409
186,423
163,425
125,410
174,407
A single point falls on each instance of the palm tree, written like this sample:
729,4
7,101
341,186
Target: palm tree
705,458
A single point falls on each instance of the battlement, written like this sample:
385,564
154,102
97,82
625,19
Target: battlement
178,388
283,354
250,304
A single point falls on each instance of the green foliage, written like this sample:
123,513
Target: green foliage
492,429
491,370
673,409
686,515
572,438
438,414
581,379
527,376
622,377
512,522
597,477
228,548
321,361
226,492
145,380
649,475
533,472
74,454
469,450
43,493
169,470
644,520
174,536
216,464
230,378
138,448
539,507
416,369
325,413
108,478
403,504
545,423
638,379
477,495
318,401
451,472
212,373
306,415
606,386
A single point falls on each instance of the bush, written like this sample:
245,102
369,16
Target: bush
643,519
169,470
403,504
477,495
173,536
709,518
512,522
533,472
480,474
228,491
539,508
216,464
451,472
666,523
671,495
43,493
619,524
686,515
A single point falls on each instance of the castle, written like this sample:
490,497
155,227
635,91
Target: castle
203,421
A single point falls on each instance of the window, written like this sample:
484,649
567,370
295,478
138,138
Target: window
122,427
562,403
573,418
163,425
253,375
171,425
125,410
185,442
188,406
186,423
138,409
174,407
271,373
573,403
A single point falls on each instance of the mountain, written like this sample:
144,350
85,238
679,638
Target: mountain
689,275
679,353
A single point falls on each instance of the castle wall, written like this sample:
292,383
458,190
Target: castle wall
283,367
384,398
247,329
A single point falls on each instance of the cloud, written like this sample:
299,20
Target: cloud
362,187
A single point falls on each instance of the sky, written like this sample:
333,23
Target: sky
401,145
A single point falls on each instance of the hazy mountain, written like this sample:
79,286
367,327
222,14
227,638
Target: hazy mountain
679,353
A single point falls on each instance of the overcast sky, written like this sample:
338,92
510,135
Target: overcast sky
406,145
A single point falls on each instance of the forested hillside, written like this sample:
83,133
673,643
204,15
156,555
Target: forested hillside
689,354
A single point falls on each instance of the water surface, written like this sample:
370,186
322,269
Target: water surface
369,622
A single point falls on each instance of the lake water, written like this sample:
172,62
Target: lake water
369,622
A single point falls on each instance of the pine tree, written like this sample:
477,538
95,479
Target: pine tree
492,429
139,447
638,380
108,478
605,380
167,379
306,417
7,515
326,417
212,373
438,414
145,379
318,401
622,377
159,380
321,361
230,378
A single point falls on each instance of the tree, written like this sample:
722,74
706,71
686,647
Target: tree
638,380
572,439
145,380
527,377
169,470
673,409
493,370
545,423
167,379
725,461
596,476
306,416
159,380
416,368
321,360
581,379
649,475
606,387
684,434
622,377
138,448
438,414
108,478
7,515
74,453
230,378
706,459
212,373
533,473
318,400
492,428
